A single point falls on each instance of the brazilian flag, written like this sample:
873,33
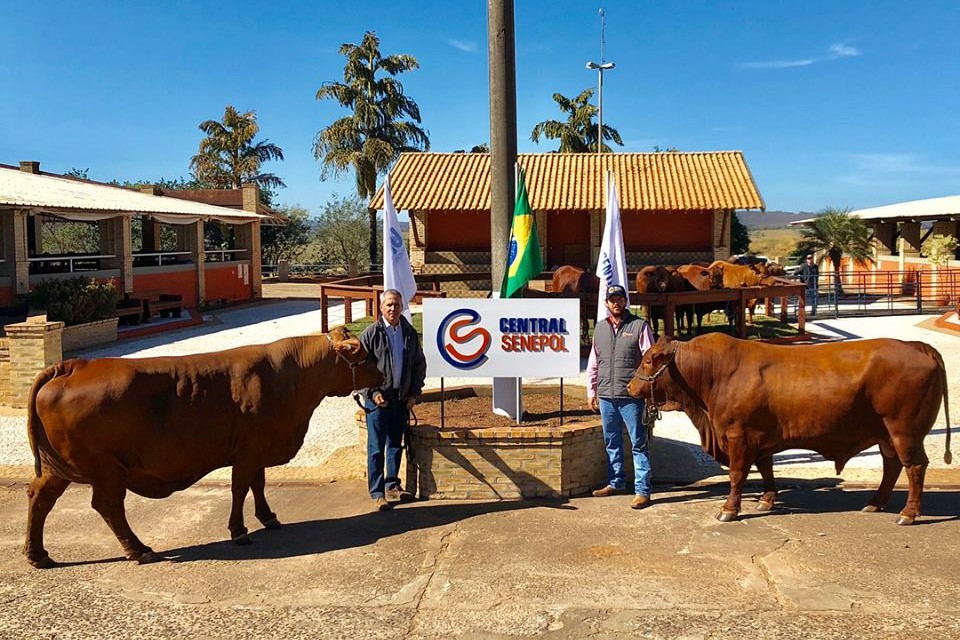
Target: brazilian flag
523,259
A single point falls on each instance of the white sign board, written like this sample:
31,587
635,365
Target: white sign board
488,338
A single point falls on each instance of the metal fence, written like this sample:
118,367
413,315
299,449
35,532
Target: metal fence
884,293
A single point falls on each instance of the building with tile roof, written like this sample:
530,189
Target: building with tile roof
675,207
29,197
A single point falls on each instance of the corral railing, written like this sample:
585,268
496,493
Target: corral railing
369,287
861,293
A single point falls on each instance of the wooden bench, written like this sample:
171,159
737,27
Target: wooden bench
159,303
129,312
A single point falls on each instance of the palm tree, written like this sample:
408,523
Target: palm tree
837,233
579,133
383,124
229,157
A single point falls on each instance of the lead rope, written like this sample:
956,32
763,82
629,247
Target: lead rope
353,373
651,410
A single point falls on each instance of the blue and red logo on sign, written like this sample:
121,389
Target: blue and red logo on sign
452,334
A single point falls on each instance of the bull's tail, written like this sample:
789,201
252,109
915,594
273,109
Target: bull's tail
947,455
35,430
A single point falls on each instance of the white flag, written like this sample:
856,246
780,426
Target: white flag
397,273
612,263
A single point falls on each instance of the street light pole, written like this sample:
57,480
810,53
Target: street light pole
601,67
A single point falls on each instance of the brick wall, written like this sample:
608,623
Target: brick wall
33,346
5,398
89,334
501,463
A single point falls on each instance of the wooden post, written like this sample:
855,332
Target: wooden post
741,315
324,316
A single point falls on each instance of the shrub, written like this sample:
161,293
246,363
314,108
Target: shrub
940,249
75,300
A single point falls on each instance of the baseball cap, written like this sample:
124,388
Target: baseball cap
616,290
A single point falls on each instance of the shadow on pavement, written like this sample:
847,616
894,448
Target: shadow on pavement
320,536
820,496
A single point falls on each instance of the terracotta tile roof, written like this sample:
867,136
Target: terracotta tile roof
574,181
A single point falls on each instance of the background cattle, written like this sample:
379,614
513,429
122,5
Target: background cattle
750,400
157,425
582,284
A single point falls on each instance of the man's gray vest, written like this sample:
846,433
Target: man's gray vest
618,356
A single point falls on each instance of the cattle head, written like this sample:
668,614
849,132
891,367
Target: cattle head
652,378
355,370
653,279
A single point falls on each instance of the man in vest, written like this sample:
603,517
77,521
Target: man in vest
618,344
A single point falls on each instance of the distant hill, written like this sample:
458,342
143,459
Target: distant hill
770,219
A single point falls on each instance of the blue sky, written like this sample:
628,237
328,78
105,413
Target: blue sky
833,103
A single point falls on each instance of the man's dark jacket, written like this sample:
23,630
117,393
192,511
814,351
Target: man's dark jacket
375,341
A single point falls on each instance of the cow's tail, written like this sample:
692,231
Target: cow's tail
35,430
947,455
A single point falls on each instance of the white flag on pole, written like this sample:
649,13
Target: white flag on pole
612,263
397,273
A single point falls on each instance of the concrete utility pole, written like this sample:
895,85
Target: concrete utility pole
503,131
507,399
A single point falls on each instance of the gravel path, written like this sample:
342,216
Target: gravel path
330,451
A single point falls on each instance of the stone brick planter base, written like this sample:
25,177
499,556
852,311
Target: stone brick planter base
497,463
89,334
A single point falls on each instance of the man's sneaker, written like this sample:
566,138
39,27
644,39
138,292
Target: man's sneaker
399,495
608,491
640,501
381,504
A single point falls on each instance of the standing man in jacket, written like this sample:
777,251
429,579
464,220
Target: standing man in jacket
394,346
810,274
618,344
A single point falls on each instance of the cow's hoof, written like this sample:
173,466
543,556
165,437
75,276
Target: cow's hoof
148,557
242,540
42,563
272,523
872,508
905,520
764,505
726,516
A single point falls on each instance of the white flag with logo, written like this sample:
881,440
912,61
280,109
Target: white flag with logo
612,264
397,273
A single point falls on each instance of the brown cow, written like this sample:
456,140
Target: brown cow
157,425
750,400
735,276
656,279
697,278
568,279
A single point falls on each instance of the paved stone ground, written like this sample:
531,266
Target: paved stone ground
586,568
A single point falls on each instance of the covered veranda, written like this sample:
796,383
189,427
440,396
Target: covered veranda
140,241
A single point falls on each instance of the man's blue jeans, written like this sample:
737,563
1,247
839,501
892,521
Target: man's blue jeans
614,413
385,428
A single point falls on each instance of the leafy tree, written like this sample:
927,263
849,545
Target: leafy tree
341,232
384,122
483,147
837,233
940,249
59,237
78,172
739,236
579,133
286,242
229,156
